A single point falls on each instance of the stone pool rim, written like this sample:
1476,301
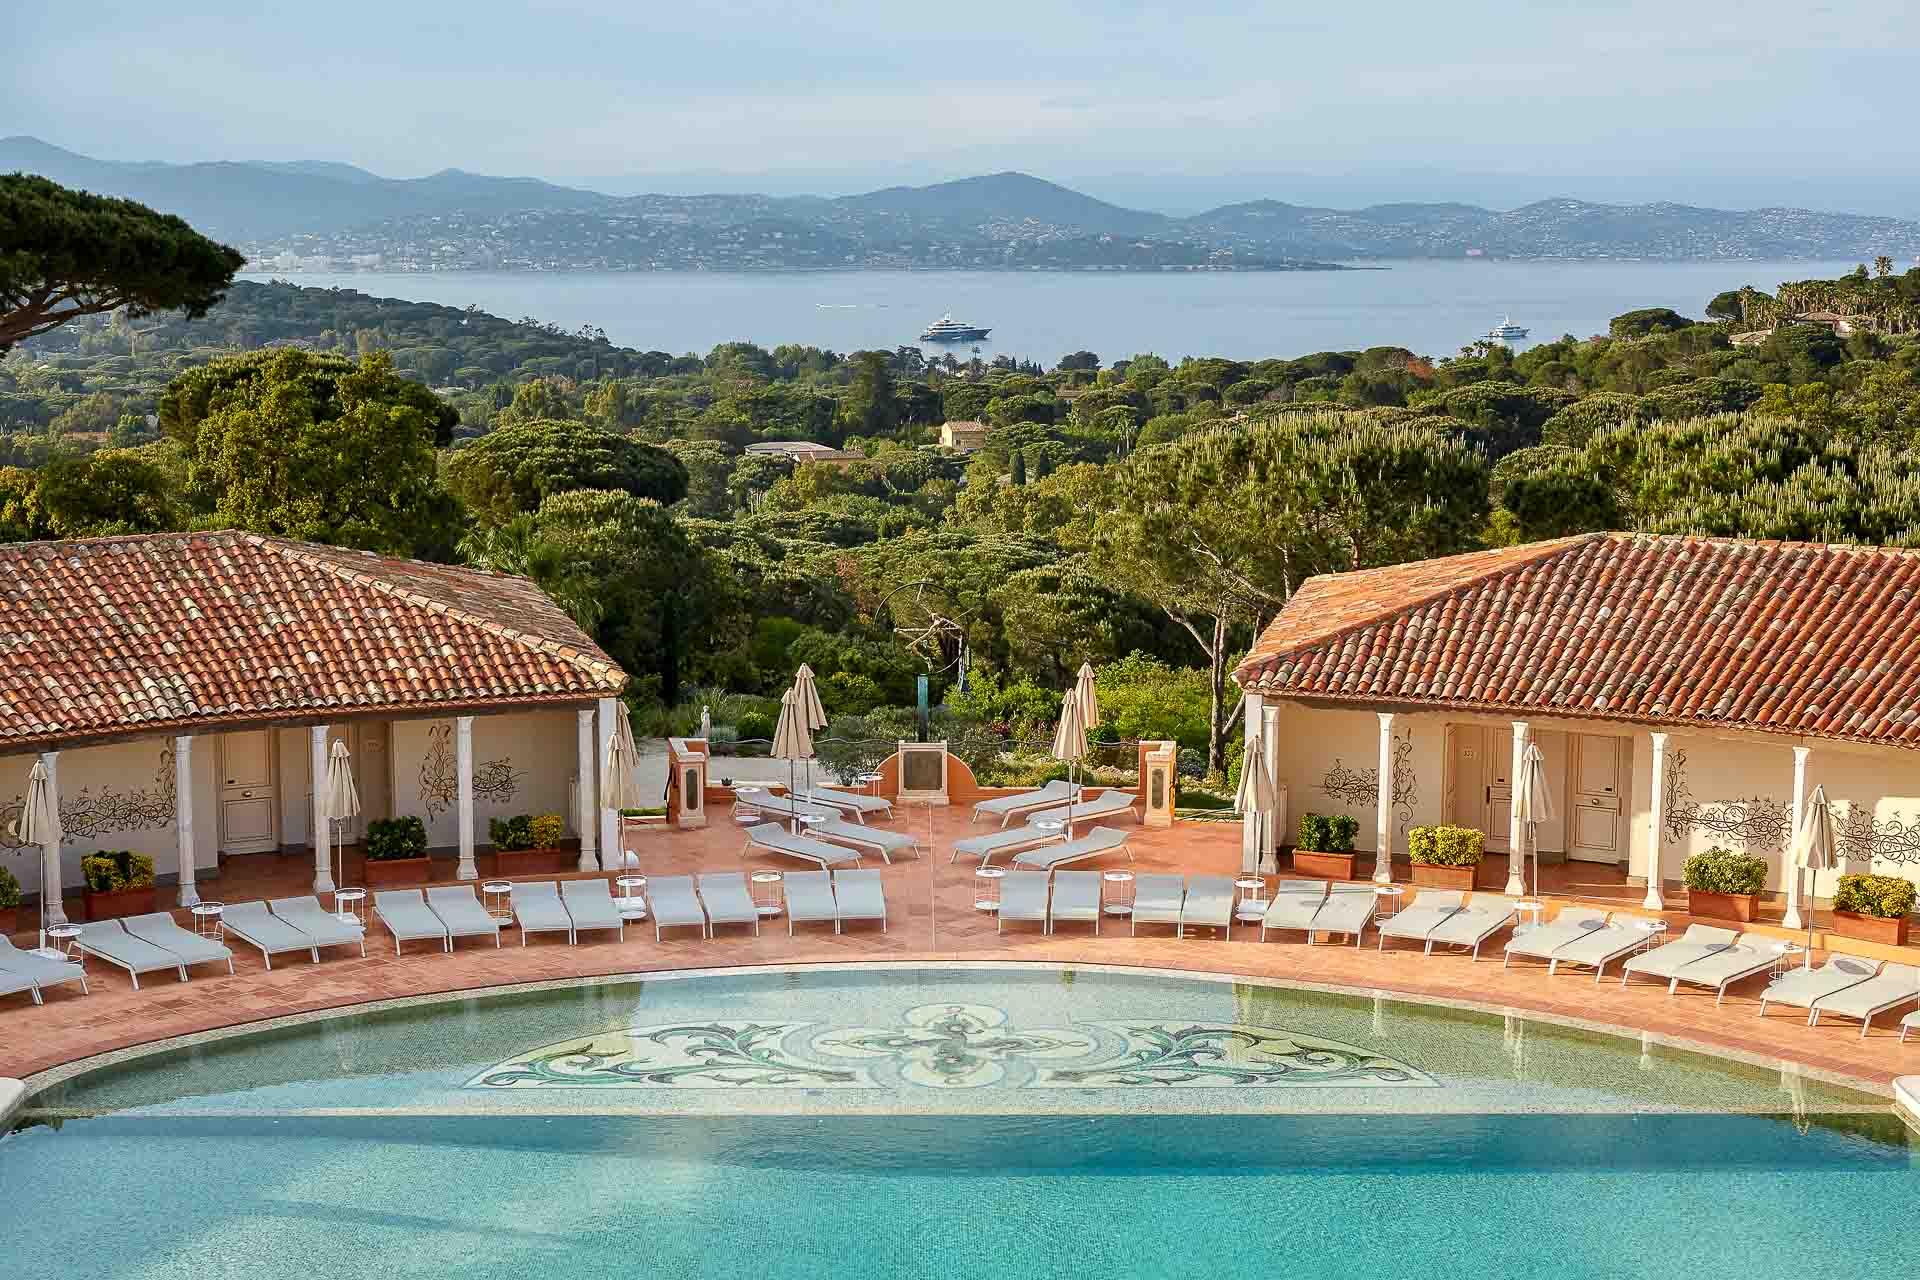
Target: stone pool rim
40,1081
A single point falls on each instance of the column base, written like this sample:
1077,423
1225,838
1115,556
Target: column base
323,883
589,861
466,870
189,895
1653,901
1516,887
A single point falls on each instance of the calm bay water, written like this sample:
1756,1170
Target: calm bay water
1431,307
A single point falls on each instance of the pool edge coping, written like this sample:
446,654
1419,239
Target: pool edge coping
39,1081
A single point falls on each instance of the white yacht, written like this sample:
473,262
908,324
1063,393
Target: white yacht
1507,330
947,329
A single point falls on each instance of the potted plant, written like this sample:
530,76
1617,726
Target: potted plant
397,852
119,882
1326,845
9,902
528,844
1446,857
1724,885
1874,908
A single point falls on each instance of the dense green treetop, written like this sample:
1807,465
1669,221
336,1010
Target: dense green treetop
517,467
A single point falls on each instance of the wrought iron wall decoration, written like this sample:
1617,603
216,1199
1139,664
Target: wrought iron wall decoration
1757,822
495,781
1357,787
1360,788
1864,839
89,813
1406,787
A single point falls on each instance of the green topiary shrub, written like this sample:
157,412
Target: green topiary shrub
1887,897
109,869
755,726
509,834
547,830
1446,846
392,839
9,890
1328,833
1725,871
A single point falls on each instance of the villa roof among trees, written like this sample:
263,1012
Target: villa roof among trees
1782,637
113,637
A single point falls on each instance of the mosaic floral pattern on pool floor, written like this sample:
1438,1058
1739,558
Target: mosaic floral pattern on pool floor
951,1046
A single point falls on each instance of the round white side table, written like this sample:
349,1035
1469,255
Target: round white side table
207,918
1116,893
496,898
631,904
765,888
986,888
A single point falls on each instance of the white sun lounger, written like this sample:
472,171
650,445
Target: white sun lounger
1023,896
1893,986
675,906
537,909
775,838
1091,845
1909,1023
12,984
882,841
106,940
460,911
809,897
1003,841
1108,804
850,802
1748,955
39,970
1693,946
1157,899
1622,937
766,802
1209,905
407,917
1802,986
1485,915
160,928
591,905
1542,940
1294,905
323,926
1076,897
1044,797
1348,909
254,925
860,896
725,896
1433,908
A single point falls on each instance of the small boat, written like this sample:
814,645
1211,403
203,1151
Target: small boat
947,329
1507,330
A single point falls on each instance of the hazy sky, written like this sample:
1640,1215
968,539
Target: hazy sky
856,88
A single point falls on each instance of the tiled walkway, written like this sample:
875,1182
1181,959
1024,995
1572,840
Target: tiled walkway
932,918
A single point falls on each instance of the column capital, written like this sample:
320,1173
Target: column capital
1386,719
1800,754
1659,739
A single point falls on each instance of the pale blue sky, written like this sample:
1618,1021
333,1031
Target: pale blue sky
852,94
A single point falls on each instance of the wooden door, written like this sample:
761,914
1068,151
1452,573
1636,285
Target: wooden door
1469,786
372,772
249,806
1594,817
1499,788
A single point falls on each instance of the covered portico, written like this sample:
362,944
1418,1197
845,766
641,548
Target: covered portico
1686,693
183,692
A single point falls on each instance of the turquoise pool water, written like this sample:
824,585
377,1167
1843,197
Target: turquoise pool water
914,1124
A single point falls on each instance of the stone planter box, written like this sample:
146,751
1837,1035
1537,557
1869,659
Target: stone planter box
1892,933
533,862
118,902
1428,875
1328,866
1723,906
391,872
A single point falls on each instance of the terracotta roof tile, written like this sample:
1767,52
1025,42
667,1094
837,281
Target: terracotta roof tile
106,636
1794,638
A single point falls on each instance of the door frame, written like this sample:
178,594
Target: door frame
272,784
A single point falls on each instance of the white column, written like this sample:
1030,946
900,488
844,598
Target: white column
1516,834
1789,872
1656,824
586,816
183,817
322,852
463,777
1252,825
1383,805
52,882
612,856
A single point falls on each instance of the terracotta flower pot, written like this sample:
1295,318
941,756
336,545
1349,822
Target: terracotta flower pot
1328,866
1723,906
1429,875
386,873
1892,933
532,862
118,902
9,920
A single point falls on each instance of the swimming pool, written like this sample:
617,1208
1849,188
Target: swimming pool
907,1122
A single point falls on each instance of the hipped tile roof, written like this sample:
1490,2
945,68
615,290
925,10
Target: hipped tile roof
107,637
1793,638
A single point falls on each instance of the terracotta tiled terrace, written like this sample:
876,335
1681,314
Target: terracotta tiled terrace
932,918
